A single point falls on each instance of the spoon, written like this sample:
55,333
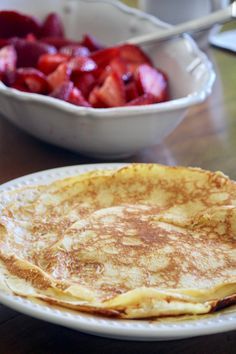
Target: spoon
220,16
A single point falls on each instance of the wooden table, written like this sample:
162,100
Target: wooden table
206,138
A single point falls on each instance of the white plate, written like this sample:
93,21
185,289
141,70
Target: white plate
114,328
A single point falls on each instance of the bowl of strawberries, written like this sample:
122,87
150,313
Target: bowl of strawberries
71,78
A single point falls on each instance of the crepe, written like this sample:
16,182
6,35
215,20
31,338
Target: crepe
141,241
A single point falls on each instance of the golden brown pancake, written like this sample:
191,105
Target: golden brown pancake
142,241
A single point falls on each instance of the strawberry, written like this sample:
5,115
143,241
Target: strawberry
59,76
52,26
4,42
47,63
132,53
16,24
8,58
131,91
77,98
145,99
94,99
84,82
82,64
30,37
104,56
63,91
67,92
28,53
75,50
152,81
112,92
116,65
9,77
120,66
32,80
91,43
20,87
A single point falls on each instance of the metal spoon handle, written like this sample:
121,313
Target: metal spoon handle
220,16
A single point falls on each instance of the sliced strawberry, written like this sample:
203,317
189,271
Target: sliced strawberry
77,98
132,68
9,77
145,99
82,64
20,87
8,58
52,26
94,98
121,68
131,91
4,42
84,82
16,24
63,91
152,81
59,76
47,63
116,65
91,43
112,92
28,53
132,53
75,50
32,79
30,37
104,56
102,74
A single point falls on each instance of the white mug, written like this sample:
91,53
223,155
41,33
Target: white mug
177,11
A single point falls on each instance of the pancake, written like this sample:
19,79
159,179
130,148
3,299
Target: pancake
141,241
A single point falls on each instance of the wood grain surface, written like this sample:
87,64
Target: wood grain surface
206,138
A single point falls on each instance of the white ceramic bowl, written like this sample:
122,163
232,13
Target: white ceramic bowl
111,132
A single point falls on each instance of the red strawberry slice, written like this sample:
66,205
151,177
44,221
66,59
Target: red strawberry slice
4,42
63,91
30,37
84,82
16,24
52,26
145,99
47,63
104,56
8,59
112,92
131,91
75,50
132,53
91,43
77,98
82,64
32,79
132,68
59,76
152,81
20,87
120,66
9,78
28,53
94,99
